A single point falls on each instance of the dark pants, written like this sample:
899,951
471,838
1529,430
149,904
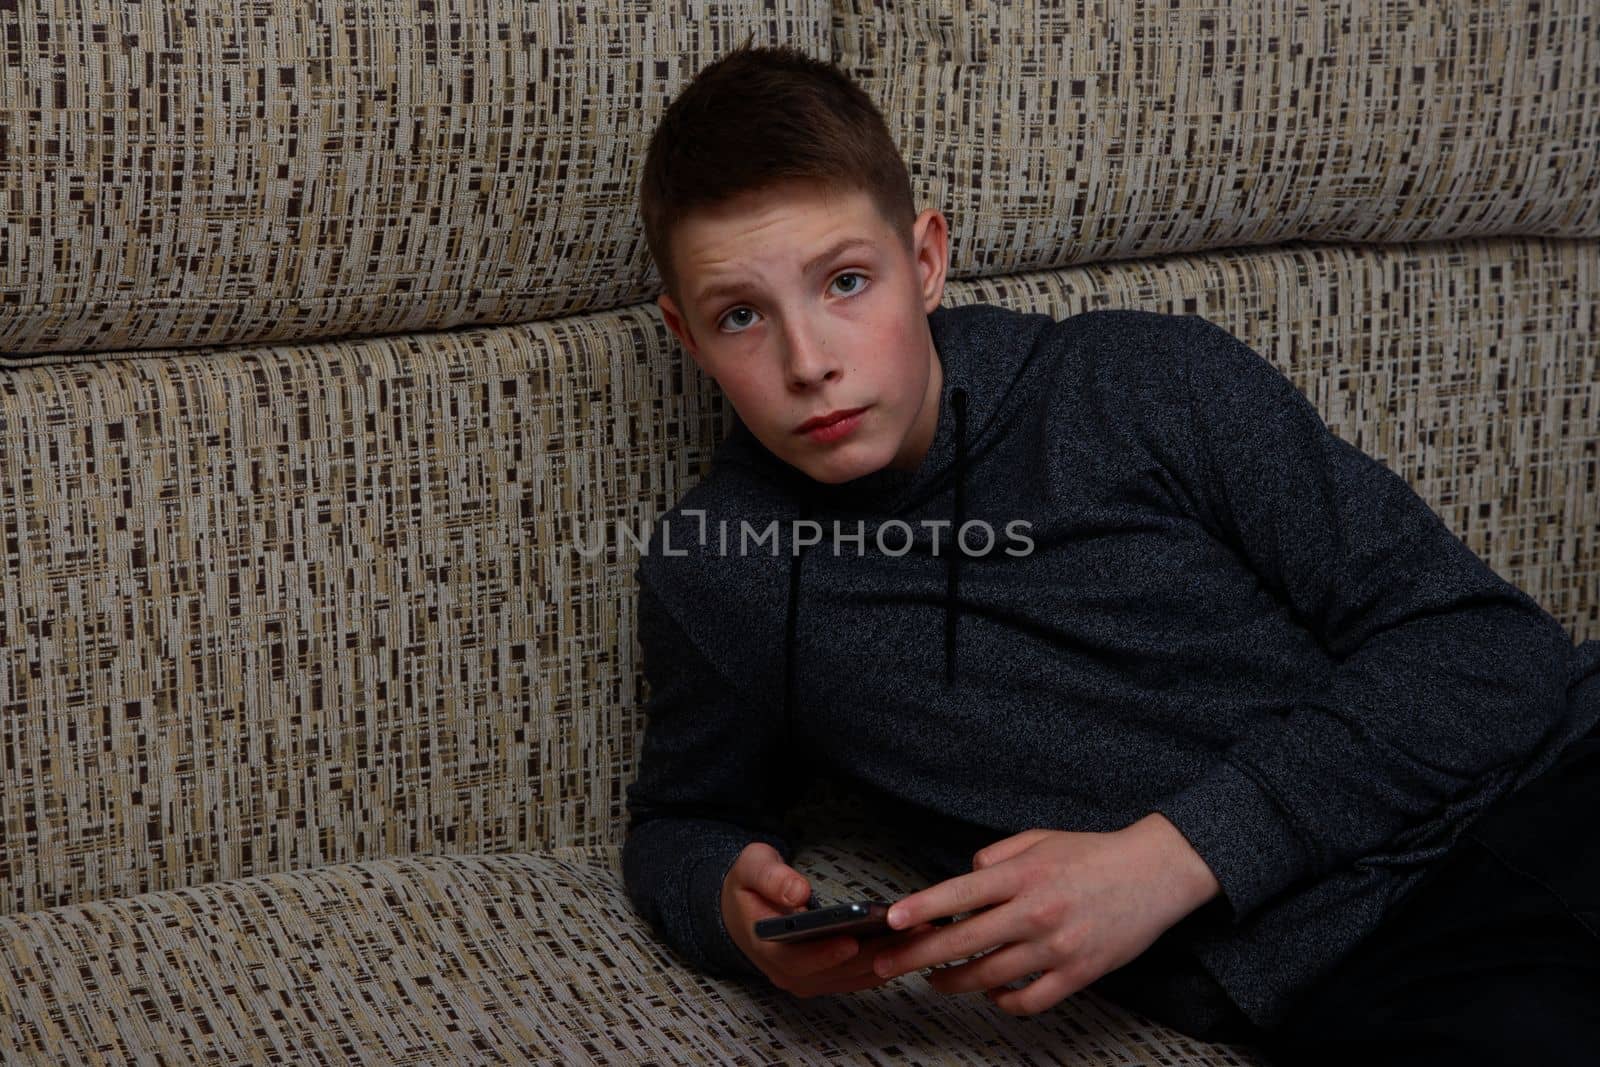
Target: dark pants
1494,957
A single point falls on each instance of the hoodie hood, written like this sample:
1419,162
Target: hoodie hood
974,403
990,362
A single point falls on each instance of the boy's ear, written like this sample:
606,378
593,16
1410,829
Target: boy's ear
675,322
930,247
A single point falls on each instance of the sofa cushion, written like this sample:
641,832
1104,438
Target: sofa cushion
1055,133
280,606
220,172
476,959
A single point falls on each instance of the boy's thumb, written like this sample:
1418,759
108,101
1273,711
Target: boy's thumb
775,879
795,894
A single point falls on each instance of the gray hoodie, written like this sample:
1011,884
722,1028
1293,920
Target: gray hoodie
1178,592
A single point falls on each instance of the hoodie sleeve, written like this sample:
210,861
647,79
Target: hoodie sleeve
1446,676
706,788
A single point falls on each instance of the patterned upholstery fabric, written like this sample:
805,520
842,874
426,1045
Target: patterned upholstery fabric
204,172
278,606
306,680
1050,136
318,688
346,167
508,959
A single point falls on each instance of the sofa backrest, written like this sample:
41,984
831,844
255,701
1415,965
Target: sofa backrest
276,593
216,173
1054,133
226,175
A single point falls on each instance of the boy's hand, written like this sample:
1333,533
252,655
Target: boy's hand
1069,906
759,886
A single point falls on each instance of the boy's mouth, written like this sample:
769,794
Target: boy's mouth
830,419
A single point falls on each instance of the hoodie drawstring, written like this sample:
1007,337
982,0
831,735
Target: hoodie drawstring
788,642
958,400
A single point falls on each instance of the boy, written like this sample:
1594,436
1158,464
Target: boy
1098,607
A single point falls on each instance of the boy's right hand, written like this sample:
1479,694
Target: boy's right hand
759,886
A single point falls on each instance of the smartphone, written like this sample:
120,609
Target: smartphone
863,918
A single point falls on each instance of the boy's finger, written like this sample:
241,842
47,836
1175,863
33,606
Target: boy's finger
973,892
842,985
855,972
902,936
898,938
834,958
808,960
782,884
855,968
1004,850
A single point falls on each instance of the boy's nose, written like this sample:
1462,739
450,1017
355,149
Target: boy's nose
810,360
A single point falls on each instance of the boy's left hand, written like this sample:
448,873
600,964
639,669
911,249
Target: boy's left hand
1073,906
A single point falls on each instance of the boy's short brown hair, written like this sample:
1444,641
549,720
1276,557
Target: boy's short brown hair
757,117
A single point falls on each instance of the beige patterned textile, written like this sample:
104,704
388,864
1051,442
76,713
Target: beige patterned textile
509,959
276,606
334,408
1058,132
209,171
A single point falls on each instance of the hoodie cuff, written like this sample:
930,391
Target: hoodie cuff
1242,835
723,956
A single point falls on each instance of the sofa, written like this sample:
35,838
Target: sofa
334,398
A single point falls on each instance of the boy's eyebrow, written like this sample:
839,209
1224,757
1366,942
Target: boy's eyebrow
838,247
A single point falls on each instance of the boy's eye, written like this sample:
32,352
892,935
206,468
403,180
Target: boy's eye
858,280
851,274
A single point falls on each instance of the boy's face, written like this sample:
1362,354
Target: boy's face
792,326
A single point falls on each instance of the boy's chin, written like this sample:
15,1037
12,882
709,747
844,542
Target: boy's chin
839,473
